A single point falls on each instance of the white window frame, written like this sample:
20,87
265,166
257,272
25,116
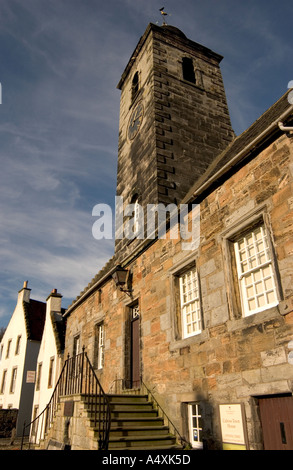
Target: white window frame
76,345
134,311
256,276
195,430
100,337
191,315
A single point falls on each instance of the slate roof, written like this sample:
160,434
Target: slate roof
35,314
98,278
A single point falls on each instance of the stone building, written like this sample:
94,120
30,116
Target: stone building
207,324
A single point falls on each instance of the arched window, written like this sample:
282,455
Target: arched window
135,85
188,70
136,213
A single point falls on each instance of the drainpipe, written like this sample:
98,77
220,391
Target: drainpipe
285,129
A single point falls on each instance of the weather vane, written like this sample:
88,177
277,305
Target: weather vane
163,13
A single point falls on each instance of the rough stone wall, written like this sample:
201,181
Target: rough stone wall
8,420
234,359
184,127
192,119
74,431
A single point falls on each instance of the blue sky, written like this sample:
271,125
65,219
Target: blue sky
61,61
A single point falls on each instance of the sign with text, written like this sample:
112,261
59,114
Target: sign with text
233,427
30,377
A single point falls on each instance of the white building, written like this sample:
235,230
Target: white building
19,351
50,357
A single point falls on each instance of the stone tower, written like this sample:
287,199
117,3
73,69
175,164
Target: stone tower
174,119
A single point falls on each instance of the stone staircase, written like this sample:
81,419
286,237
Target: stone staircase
135,425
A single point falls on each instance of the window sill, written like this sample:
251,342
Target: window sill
183,343
194,85
254,319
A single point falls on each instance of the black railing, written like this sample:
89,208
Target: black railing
121,386
77,377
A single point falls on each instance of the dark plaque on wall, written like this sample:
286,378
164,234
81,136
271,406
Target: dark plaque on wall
68,408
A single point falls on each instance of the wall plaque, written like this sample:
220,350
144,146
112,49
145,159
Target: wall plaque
233,427
55,445
68,408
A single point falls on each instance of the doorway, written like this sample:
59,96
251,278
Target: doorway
276,414
134,346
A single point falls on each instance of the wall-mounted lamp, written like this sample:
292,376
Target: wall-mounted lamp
120,277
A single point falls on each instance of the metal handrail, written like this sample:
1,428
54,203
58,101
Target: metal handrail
43,419
142,389
77,377
166,418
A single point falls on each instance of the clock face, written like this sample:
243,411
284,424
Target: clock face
135,121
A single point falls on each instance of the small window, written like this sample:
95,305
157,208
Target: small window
255,271
13,380
17,347
100,345
134,224
8,348
136,215
51,370
195,425
188,70
35,423
3,383
76,345
135,86
135,311
39,374
190,303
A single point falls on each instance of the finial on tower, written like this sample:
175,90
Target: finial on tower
163,13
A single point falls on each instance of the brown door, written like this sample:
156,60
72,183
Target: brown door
276,415
135,349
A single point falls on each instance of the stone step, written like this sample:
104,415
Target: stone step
123,431
135,424
130,406
113,398
130,413
145,442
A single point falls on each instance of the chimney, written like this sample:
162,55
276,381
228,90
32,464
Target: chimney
24,293
54,301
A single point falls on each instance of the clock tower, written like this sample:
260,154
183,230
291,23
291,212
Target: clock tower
174,119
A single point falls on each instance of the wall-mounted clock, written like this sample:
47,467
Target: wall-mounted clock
135,120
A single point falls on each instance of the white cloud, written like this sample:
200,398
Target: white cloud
61,62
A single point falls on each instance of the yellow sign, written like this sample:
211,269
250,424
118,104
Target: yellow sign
233,447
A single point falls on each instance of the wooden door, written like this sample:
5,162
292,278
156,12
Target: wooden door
135,349
277,422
